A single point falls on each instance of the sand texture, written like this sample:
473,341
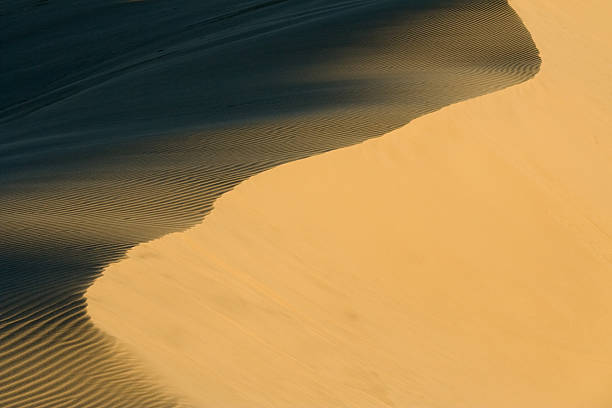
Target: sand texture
123,121
464,260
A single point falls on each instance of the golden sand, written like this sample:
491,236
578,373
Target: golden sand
464,260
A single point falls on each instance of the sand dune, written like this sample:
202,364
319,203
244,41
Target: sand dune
464,260
121,122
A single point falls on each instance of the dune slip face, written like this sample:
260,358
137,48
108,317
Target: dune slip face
121,122
464,260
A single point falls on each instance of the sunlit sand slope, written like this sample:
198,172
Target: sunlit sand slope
121,122
464,260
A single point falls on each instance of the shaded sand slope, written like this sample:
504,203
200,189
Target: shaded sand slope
464,260
123,121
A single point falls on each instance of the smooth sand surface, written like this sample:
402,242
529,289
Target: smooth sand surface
464,260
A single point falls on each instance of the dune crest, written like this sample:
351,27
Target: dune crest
464,260
121,122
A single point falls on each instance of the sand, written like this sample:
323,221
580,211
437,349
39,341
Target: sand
121,122
464,260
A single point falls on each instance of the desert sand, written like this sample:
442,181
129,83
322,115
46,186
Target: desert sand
464,260
122,122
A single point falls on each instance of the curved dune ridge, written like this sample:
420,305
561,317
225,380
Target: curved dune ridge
464,260
121,122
